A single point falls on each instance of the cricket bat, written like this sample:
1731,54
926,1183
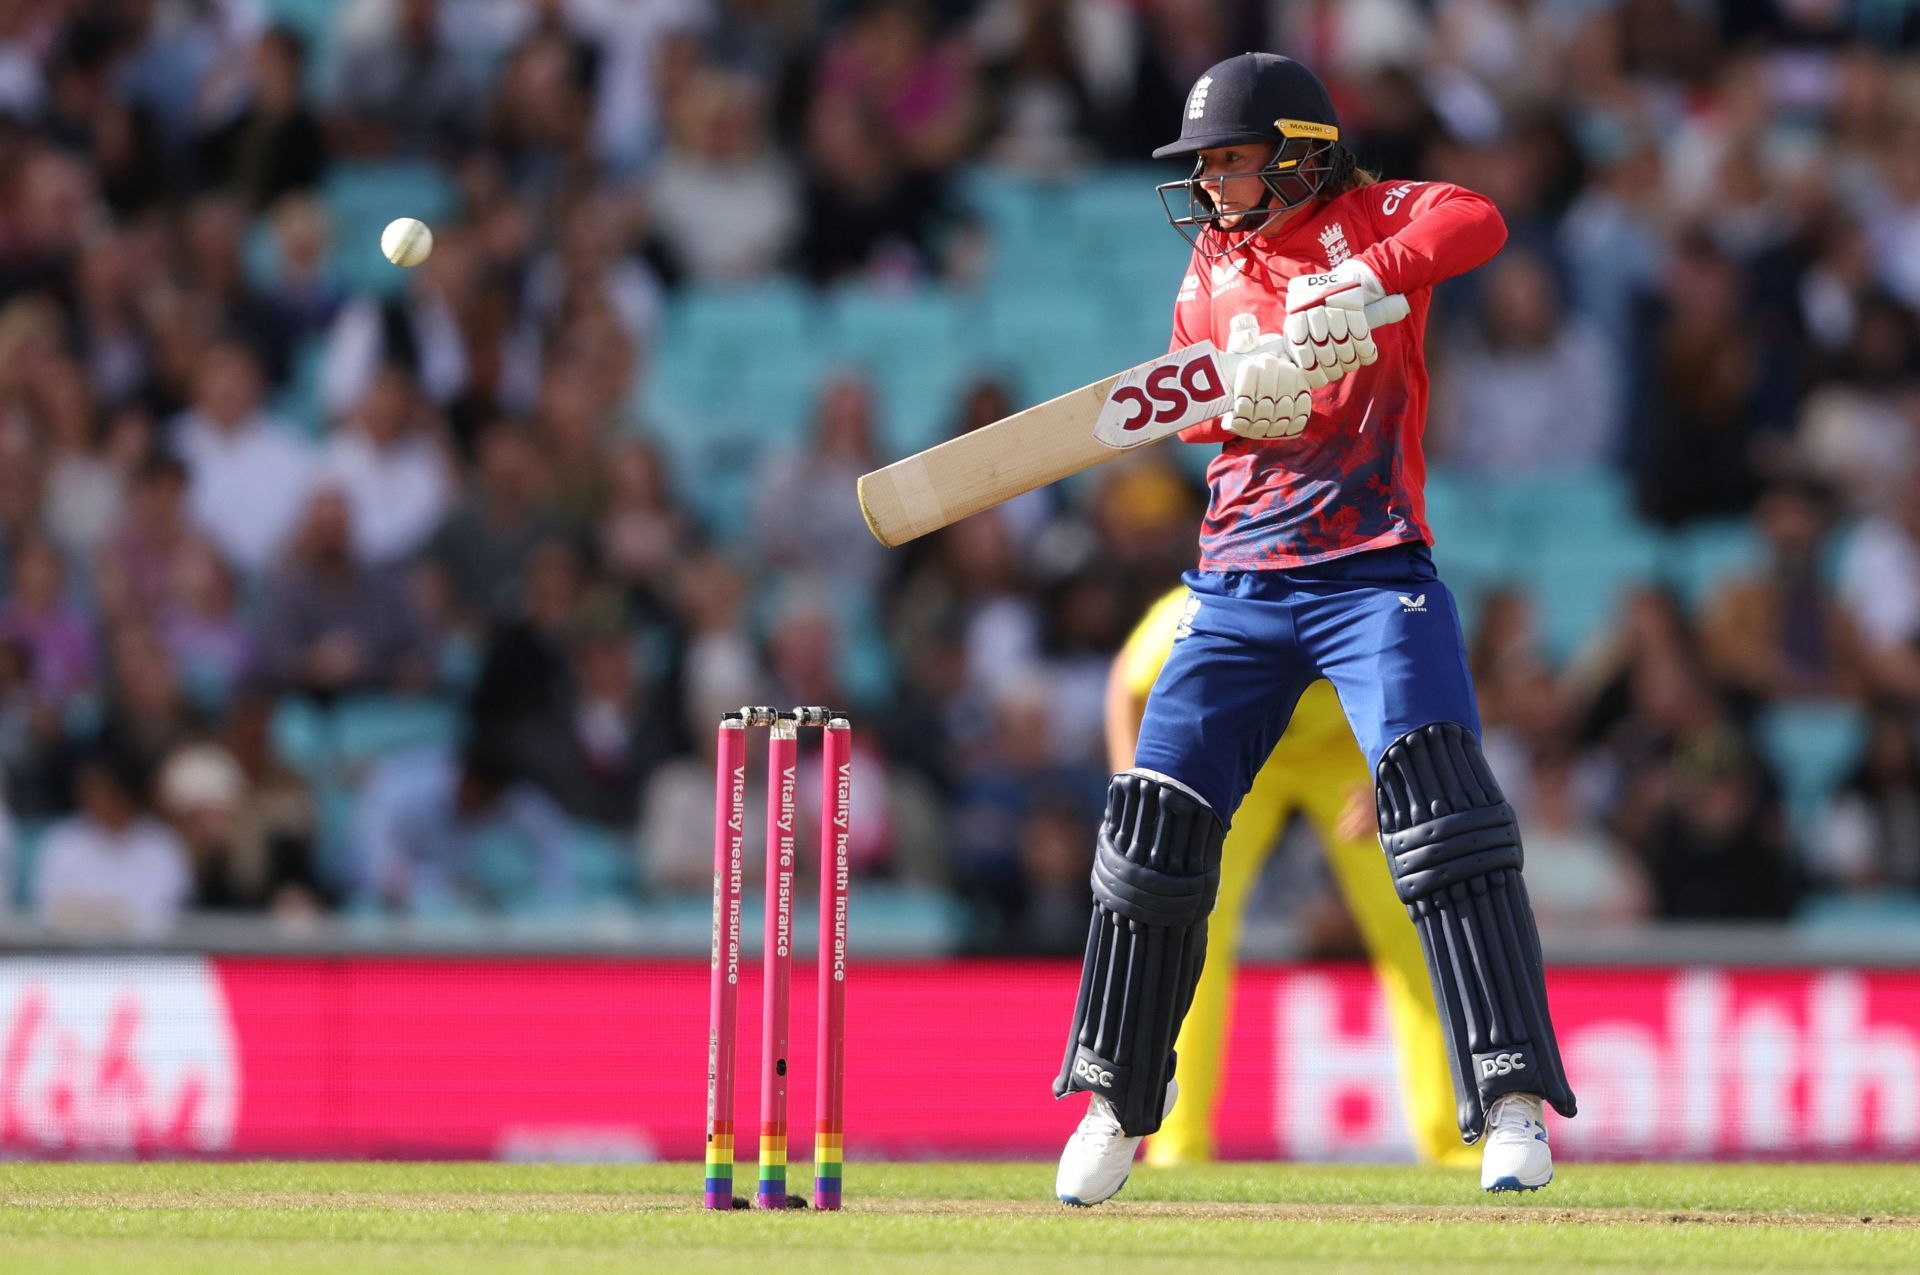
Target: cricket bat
1060,437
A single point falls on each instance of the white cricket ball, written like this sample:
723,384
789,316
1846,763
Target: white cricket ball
406,241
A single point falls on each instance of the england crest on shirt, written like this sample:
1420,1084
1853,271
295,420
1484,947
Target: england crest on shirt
1334,240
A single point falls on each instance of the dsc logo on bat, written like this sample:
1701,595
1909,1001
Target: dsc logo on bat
1158,398
1168,390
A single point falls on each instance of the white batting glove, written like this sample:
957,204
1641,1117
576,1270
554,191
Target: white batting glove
1327,331
1271,397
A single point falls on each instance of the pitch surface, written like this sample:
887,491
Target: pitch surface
410,1219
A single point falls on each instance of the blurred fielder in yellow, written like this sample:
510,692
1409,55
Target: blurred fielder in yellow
1316,770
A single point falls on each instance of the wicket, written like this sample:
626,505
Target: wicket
729,831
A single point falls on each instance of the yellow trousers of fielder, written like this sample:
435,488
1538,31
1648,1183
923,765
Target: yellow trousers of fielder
1318,786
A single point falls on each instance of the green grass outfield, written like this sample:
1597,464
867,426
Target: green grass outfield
474,1219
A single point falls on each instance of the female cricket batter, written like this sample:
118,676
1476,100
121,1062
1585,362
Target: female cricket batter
1315,771
1314,562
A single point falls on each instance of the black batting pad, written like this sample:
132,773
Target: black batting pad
1155,875
1454,849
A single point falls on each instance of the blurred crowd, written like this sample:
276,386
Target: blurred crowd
237,494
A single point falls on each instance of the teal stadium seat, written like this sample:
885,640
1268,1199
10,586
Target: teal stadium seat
368,727
503,867
317,22
745,319
1571,542
300,736
603,863
866,665
920,406
1024,218
777,395
711,462
1889,916
1007,202
334,800
1136,316
359,730
506,869
1068,363
28,837
1594,502
1579,581
916,347
1118,234
735,373
866,325
1812,745
1833,555
260,254
307,18
299,400
1127,260
1473,550
332,749
1049,341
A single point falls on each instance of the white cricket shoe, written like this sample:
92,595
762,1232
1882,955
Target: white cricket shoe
1099,1158
1516,1156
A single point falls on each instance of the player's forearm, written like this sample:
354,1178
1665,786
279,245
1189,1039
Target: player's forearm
1459,231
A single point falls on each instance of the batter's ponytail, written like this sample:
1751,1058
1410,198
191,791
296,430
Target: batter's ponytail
1347,174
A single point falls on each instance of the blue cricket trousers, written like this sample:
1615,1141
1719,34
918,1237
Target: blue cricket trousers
1379,625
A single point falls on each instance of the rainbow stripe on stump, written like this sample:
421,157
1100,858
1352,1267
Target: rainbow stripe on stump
772,1193
720,1168
826,1170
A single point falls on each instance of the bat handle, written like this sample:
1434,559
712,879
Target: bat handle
1387,310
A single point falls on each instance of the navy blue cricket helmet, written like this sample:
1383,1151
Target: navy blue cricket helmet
1254,99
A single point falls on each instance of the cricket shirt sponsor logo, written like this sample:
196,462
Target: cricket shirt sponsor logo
1391,204
1410,605
1227,275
